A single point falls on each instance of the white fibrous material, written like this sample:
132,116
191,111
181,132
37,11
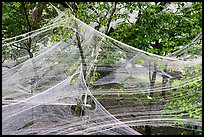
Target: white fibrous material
84,82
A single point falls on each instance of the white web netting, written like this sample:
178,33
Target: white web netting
84,82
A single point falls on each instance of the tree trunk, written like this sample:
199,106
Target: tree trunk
164,81
152,79
84,66
30,54
148,130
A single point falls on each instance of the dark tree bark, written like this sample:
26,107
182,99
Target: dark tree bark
110,18
164,81
81,52
37,11
84,66
148,130
29,46
152,78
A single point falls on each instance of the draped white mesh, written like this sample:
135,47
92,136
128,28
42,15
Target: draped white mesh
48,94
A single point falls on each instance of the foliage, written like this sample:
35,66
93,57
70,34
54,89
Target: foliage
110,57
101,14
13,19
160,31
187,99
16,20
156,29
61,33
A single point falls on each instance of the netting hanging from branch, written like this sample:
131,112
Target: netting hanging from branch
85,82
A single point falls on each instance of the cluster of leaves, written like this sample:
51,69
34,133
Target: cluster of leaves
16,20
61,33
13,18
160,31
110,57
156,29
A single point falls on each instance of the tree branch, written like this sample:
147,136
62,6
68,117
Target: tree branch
74,9
26,15
19,47
29,29
110,18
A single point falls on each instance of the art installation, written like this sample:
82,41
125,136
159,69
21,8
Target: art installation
84,82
